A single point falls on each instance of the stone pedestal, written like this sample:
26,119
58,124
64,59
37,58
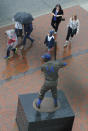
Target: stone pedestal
28,119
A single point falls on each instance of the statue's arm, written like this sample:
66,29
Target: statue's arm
61,64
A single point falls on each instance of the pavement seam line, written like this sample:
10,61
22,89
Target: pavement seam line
30,71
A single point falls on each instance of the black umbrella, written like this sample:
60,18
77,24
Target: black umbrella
23,17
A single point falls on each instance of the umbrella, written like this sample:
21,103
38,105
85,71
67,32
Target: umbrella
23,17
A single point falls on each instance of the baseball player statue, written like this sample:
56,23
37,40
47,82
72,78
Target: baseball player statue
50,70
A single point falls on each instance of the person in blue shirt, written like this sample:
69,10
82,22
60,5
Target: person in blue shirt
57,14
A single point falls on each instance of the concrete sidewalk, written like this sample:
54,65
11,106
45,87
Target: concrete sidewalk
21,74
36,7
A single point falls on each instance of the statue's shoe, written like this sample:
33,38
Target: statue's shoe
55,105
38,106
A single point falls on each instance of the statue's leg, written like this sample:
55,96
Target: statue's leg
54,94
43,90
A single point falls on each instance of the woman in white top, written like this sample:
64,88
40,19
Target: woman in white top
73,29
18,29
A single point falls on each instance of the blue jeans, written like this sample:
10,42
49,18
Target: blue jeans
27,36
18,32
9,49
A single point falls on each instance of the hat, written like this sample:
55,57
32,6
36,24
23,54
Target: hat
47,56
51,32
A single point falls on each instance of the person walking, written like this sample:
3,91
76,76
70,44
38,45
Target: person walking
73,29
49,41
18,29
57,14
28,28
12,43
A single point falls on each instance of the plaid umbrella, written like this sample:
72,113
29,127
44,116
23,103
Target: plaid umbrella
23,17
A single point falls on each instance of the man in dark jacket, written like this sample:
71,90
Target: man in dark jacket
28,28
50,70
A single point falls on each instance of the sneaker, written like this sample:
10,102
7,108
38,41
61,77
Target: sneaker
16,51
66,44
6,57
55,32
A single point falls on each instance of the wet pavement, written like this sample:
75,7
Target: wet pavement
21,74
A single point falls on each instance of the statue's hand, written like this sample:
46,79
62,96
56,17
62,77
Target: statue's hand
65,63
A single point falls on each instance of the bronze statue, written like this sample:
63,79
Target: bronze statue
50,70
